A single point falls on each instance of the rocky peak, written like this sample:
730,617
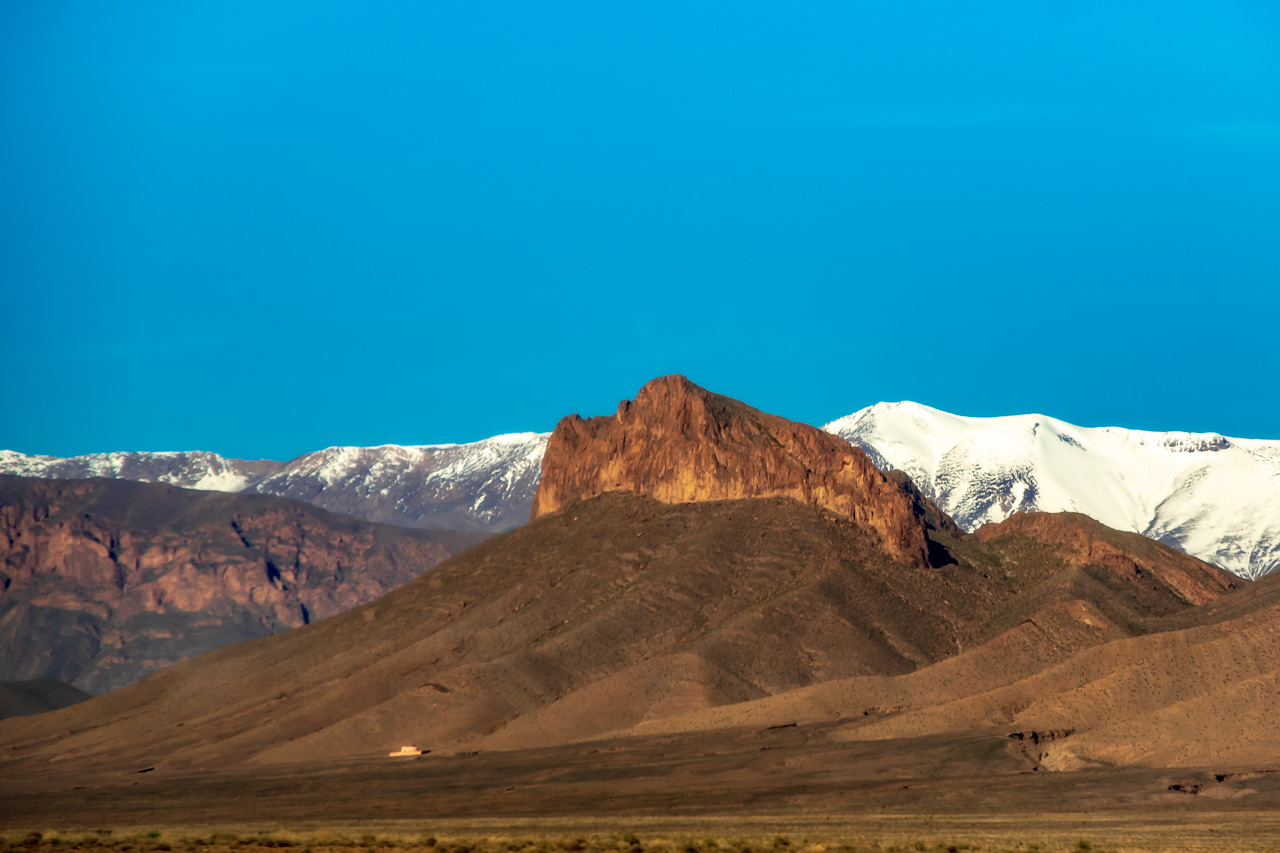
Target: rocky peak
677,442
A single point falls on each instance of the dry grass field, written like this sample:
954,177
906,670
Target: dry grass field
782,791
1030,833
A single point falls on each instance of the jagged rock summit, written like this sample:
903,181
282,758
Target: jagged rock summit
677,442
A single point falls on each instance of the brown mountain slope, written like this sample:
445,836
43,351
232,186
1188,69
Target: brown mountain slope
1201,697
1066,565
1130,561
678,442
105,581
621,607
1197,688
1068,583
617,613
1248,597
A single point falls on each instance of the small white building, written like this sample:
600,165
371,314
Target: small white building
405,750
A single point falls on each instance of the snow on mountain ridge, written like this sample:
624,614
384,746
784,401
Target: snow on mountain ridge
487,484
1215,497
481,485
193,469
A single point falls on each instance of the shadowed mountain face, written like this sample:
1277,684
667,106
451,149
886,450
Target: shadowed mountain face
22,698
677,442
106,581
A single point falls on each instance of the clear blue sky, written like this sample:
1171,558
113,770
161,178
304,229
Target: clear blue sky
264,228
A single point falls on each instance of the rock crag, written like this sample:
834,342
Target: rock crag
677,442
105,581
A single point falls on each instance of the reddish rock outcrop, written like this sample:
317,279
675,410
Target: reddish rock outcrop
1129,559
103,582
677,442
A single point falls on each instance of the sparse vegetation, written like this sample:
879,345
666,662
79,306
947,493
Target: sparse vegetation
260,840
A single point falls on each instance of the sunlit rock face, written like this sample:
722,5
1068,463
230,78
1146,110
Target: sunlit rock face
676,442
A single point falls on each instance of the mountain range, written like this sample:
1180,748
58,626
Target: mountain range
1215,497
483,485
699,577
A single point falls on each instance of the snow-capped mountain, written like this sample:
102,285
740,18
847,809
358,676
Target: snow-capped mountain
193,469
1215,497
483,485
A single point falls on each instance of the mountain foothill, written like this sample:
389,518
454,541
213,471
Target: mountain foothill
694,571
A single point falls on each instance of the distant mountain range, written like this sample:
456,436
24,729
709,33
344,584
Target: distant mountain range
483,485
1215,497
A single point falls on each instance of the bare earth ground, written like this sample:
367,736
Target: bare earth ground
756,787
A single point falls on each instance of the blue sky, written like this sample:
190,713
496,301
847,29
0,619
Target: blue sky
261,229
